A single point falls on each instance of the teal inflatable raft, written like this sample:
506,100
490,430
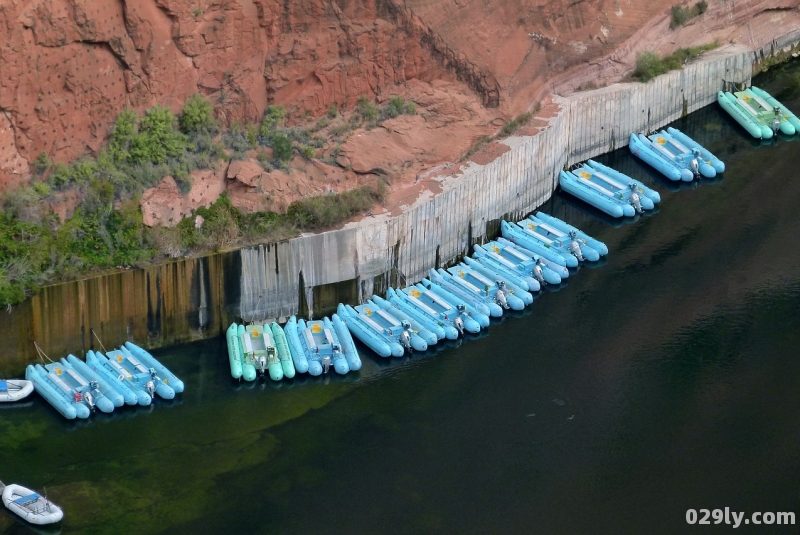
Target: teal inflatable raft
760,118
790,117
282,348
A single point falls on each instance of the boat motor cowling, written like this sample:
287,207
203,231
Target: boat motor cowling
574,246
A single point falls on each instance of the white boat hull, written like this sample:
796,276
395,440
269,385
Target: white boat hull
38,511
16,389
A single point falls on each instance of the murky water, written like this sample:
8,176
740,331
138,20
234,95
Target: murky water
665,379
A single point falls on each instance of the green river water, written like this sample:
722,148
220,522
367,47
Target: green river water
663,379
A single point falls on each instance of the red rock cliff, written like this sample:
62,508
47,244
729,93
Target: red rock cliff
67,67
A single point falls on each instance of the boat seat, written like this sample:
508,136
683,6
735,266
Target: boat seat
3,386
24,500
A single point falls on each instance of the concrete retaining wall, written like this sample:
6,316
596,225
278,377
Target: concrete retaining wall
402,249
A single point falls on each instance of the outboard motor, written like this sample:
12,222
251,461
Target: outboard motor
694,164
261,364
405,340
89,400
634,199
150,388
776,122
326,360
458,323
500,296
574,246
538,273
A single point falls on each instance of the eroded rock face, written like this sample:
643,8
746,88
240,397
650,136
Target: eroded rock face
68,67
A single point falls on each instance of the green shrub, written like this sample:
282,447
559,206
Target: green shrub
273,117
323,211
158,138
333,111
367,109
339,130
397,106
42,163
681,15
648,66
125,129
197,115
511,127
307,152
281,147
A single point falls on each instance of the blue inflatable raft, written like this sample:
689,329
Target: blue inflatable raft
692,145
82,389
558,269
566,228
455,301
424,329
650,193
349,348
570,247
57,394
106,387
370,333
517,286
322,347
526,239
131,396
301,364
425,304
394,328
569,241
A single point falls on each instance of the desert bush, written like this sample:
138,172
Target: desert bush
681,15
197,116
367,110
323,211
281,147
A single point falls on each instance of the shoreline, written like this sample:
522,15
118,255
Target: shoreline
195,298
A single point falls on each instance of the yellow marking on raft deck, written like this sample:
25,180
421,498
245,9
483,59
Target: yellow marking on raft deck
119,358
316,328
461,273
585,175
255,332
531,226
58,371
368,311
415,293
495,248
661,141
